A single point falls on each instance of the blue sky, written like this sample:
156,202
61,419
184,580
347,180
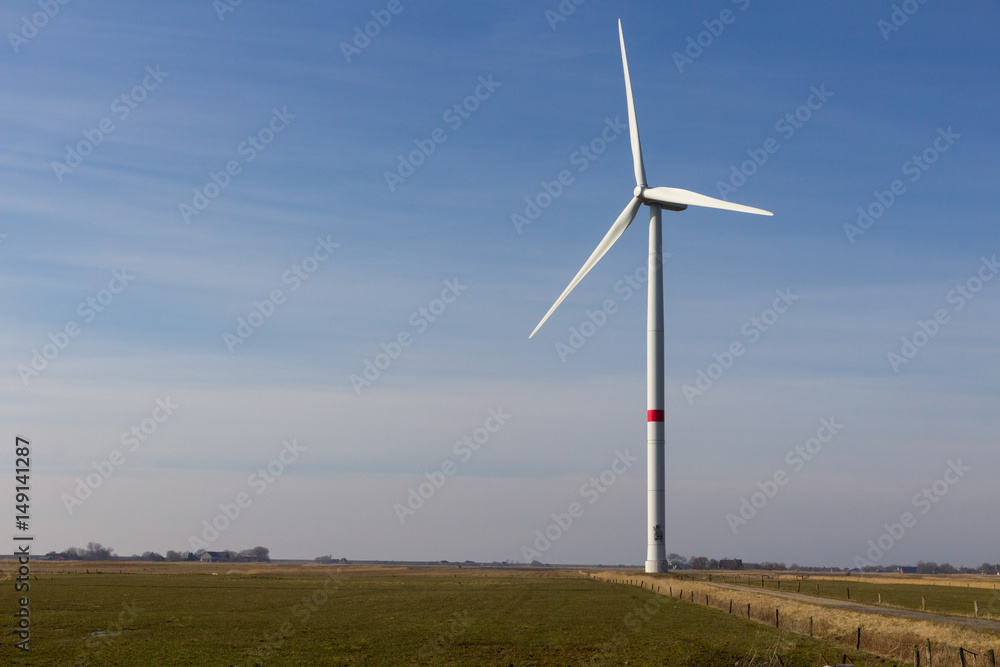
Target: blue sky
314,199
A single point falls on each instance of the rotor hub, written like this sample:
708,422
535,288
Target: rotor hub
638,191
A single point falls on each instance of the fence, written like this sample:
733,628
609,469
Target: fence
898,645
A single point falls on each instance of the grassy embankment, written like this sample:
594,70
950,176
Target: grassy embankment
882,635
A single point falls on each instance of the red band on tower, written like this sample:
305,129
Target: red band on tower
654,415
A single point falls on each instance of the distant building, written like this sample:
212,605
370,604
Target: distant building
213,557
908,570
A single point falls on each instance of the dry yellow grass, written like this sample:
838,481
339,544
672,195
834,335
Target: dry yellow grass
887,636
960,580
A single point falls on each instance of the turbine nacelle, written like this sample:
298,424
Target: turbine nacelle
640,194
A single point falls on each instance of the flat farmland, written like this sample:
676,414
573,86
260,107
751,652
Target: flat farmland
218,614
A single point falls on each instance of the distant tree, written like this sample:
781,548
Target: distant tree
173,556
152,556
731,564
676,559
325,559
95,551
255,555
699,563
929,567
946,568
713,564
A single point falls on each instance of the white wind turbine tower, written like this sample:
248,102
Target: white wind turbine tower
656,199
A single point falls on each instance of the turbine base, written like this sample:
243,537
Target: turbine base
657,566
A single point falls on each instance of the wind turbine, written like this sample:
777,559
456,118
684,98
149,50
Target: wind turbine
656,199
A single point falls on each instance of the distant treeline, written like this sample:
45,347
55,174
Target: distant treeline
96,551
930,567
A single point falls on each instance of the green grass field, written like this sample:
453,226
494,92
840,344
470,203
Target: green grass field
308,616
951,600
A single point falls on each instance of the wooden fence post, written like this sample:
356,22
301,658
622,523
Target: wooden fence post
848,593
930,655
975,608
961,655
923,603
991,658
858,647
880,598
799,587
775,617
692,596
748,610
706,599
730,605
916,655
810,626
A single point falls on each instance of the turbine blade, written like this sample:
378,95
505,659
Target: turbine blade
678,197
621,224
633,127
